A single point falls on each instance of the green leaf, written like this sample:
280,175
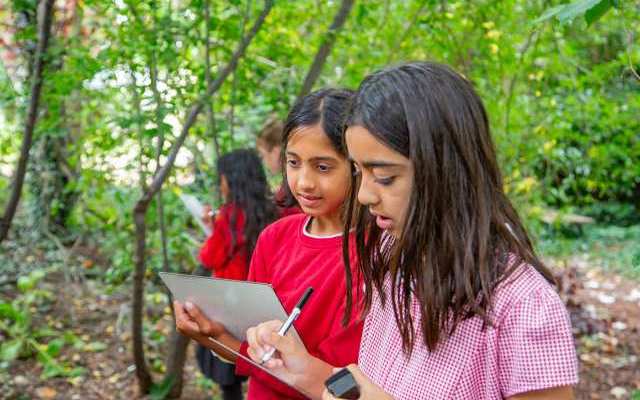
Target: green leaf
161,390
26,283
95,347
51,370
70,338
7,310
54,347
567,12
10,350
577,8
77,371
44,332
595,13
548,14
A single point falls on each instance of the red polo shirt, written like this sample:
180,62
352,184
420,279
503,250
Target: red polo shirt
291,260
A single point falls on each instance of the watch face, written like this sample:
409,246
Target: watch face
342,385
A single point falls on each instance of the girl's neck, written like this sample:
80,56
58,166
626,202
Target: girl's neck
326,225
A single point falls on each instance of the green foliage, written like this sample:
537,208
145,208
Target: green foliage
160,391
24,338
591,9
560,102
608,246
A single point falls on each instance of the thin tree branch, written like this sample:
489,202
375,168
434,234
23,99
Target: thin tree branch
407,31
512,83
153,74
46,10
234,82
325,48
212,132
628,50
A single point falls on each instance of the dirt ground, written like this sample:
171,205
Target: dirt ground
604,306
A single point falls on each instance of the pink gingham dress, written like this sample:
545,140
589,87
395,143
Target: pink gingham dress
529,347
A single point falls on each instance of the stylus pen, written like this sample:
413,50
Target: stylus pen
289,322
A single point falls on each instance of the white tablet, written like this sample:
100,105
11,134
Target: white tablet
196,209
238,305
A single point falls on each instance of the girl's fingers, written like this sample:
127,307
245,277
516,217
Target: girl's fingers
177,308
184,324
254,349
256,336
284,344
263,332
251,337
253,354
194,312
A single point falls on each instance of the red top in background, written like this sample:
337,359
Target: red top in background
219,254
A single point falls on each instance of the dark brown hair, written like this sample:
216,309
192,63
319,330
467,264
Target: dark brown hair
461,233
249,191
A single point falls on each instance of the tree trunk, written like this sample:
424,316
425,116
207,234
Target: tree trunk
142,371
178,346
325,48
44,33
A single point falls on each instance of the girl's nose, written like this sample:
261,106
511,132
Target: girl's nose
305,181
366,196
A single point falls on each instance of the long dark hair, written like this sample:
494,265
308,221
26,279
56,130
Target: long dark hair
249,191
325,106
461,232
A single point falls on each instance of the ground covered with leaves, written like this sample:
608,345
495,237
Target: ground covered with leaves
65,333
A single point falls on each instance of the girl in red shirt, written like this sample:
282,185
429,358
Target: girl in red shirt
302,250
247,209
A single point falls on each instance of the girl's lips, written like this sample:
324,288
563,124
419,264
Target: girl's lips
383,222
309,201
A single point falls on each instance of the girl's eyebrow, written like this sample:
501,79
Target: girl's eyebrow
291,153
370,164
323,158
319,158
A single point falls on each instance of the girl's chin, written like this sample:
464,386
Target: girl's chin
313,212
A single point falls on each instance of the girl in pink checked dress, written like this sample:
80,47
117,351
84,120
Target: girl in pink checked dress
457,304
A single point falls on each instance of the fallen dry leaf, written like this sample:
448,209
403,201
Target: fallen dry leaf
46,392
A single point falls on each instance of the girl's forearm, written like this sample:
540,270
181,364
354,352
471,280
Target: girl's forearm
312,383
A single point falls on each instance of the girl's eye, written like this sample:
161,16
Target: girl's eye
385,181
323,168
292,163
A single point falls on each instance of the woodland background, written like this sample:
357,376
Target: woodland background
110,109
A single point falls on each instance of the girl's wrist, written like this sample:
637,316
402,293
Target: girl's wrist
316,373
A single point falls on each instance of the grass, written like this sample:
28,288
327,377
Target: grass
612,247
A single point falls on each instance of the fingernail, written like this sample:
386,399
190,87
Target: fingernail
188,305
